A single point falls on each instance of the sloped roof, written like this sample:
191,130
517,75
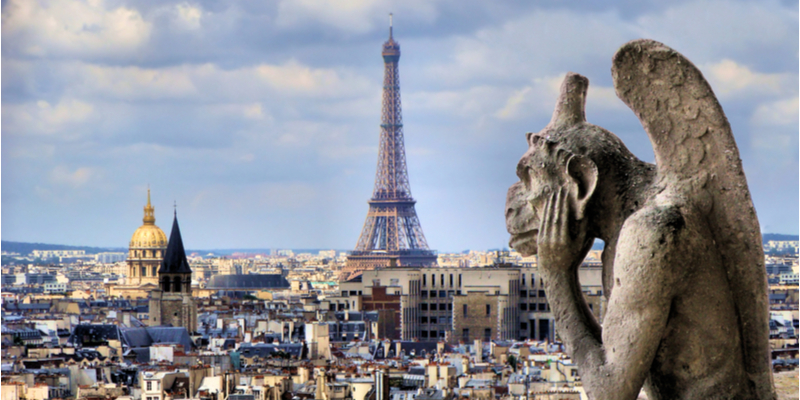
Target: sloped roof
175,256
145,337
94,333
264,350
248,281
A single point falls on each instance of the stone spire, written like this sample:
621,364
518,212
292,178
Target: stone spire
174,261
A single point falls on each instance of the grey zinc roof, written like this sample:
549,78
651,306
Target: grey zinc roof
145,337
249,281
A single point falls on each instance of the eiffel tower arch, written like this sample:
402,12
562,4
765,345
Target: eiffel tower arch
392,234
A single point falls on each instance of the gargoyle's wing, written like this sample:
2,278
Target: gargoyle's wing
696,154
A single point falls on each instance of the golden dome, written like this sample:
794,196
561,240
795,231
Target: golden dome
149,235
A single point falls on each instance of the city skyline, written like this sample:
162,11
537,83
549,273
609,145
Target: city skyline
262,121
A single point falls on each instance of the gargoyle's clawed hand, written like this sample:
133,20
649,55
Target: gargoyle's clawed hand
560,248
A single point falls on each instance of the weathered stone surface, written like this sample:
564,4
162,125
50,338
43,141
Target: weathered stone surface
683,268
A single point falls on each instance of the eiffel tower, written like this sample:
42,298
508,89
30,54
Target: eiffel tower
392,235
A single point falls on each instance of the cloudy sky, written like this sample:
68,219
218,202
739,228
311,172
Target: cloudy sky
261,119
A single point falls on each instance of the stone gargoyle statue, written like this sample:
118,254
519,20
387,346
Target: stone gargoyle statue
683,265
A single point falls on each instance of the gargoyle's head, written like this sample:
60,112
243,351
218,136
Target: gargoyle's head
568,152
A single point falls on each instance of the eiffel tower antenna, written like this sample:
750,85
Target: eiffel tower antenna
392,229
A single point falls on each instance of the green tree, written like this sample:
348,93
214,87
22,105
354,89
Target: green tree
512,361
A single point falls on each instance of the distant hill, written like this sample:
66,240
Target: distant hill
766,237
27,248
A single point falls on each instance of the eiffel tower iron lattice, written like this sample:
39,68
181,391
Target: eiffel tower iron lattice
392,234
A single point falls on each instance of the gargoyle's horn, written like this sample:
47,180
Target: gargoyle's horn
571,104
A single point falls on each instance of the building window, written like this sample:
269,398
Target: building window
423,306
488,309
465,334
450,306
523,279
523,306
442,276
433,293
423,294
465,310
542,306
424,334
434,320
451,280
424,280
523,293
487,334
442,307
433,280
442,293
523,325
541,294
149,385
459,280
423,320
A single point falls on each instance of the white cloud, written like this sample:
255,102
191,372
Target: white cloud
540,96
209,82
188,16
353,16
512,106
73,28
730,79
67,110
515,51
777,113
41,117
708,28
61,175
135,83
254,111
295,77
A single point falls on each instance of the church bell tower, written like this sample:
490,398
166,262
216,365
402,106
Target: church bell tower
172,303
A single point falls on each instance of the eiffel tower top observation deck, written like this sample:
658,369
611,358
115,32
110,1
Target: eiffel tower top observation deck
391,177
392,230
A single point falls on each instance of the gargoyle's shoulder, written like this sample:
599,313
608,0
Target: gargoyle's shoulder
659,229
658,217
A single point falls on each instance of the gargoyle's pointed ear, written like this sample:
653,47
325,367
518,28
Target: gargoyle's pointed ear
582,180
571,104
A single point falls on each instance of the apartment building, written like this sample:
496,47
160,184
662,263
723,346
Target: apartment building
453,304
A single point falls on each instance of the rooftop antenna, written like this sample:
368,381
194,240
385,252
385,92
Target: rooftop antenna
390,25
175,208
